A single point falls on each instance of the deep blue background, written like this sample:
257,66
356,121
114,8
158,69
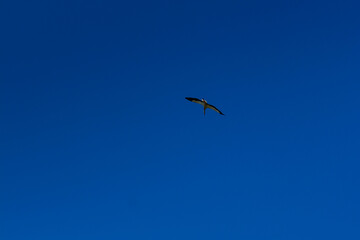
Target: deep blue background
98,141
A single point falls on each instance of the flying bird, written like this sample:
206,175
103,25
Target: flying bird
204,103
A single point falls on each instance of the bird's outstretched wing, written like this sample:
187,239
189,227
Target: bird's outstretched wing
214,108
195,100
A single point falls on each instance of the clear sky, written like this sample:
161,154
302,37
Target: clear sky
99,142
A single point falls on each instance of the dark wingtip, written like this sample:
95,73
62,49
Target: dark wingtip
191,99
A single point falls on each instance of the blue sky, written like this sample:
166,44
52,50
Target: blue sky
98,141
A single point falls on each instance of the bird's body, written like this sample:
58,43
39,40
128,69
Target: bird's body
204,103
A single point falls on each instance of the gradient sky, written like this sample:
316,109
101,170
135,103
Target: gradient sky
98,141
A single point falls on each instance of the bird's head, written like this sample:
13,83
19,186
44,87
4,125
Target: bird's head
203,100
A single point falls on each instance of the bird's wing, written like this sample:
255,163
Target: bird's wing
195,100
214,108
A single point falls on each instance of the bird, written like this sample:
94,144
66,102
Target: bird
204,103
